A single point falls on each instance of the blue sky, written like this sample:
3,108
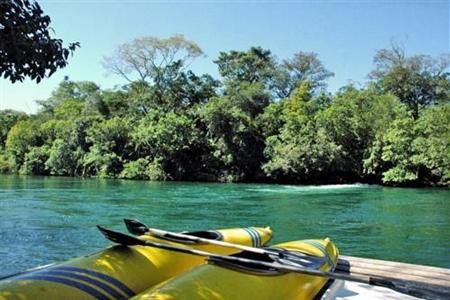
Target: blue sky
345,34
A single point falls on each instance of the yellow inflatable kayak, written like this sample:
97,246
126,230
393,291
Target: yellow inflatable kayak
234,281
122,272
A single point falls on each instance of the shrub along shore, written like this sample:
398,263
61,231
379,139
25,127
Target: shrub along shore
264,120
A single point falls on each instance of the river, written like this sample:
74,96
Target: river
48,219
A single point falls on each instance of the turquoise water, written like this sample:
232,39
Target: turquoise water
48,219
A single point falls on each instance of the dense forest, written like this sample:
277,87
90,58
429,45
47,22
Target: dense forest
264,120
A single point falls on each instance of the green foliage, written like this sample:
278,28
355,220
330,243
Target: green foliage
144,169
271,120
136,169
414,151
155,70
8,118
111,135
352,121
35,159
432,144
155,171
70,95
254,65
100,162
233,132
175,89
69,109
64,158
303,67
397,152
117,103
302,150
306,157
265,121
417,81
26,46
164,134
158,64
22,136
6,165
171,138
56,129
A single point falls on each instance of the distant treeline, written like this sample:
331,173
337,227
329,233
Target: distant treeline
266,119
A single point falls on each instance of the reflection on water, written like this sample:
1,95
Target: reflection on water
46,219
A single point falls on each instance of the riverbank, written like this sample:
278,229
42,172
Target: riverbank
205,178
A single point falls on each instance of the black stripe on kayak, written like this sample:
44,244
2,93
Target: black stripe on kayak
116,283
322,249
318,245
95,282
72,283
251,236
258,237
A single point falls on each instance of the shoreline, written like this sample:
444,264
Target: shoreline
268,182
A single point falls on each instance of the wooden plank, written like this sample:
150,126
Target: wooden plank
396,264
356,266
397,276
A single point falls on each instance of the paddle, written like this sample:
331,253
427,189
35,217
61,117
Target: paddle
138,228
128,240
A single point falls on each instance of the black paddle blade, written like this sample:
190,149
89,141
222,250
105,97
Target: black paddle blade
120,238
135,227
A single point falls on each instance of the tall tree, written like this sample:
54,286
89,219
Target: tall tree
156,71
26,47
304,66
418,80
148,57
254,65
233,132
69,90
231,119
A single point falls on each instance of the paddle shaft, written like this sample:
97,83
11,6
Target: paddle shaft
166,234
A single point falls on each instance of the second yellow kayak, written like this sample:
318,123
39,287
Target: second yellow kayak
226,281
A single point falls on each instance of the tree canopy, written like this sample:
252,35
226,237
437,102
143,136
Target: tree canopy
304,66
27,48
265,119
147,58
156,71
418,81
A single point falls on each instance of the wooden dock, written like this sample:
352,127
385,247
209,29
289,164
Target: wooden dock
420,281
